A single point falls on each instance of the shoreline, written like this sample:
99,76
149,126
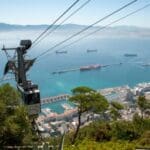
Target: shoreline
103,90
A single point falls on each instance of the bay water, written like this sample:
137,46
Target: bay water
110,52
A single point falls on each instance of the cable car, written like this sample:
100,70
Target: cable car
31,98
19,66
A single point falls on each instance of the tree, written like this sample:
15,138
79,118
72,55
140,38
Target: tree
115,108
15,126
87,99
143,104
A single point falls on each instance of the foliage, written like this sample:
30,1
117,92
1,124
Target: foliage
15,127
87,100
87,144
117,105
145,138
118,135
143,104
98,131
124,130
82,90
115,108
9,95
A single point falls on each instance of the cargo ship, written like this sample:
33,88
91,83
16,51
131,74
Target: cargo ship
130,55
90,67
82,68
61,52
91,50
146,65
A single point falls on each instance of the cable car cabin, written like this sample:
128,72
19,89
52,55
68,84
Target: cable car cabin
31,99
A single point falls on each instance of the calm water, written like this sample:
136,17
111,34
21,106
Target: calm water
110,51
57,106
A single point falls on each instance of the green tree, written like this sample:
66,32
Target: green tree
143,104
87,99
115,108
15,126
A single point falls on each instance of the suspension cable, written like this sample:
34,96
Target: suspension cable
50,26
67,18
85,29
106,26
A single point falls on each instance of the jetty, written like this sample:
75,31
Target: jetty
52,99
84,68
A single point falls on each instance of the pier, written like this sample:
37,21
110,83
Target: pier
84,68
54,99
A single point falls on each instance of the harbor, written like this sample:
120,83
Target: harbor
57,111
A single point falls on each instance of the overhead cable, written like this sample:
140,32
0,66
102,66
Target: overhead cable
86,28
57,26
106,26
50,26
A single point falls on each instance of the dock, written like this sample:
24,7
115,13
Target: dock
52,99
88,67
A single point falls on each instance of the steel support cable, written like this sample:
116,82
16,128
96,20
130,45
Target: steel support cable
56,27
50,26
85,29
106,26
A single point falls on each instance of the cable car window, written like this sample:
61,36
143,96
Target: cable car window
33,98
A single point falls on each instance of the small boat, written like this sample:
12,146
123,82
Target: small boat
91,50
61,52
130,55
63,71
54,72
66,106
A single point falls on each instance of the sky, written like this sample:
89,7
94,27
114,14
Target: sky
32,12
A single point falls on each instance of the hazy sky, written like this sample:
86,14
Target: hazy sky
46,11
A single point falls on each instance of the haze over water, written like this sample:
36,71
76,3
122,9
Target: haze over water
110,52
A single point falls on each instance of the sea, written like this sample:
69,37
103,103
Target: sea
110,52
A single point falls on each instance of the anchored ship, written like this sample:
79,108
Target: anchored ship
146,65
130,55
61,52
91,50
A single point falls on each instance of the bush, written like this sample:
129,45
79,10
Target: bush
124,130
97,131
92,145
145,139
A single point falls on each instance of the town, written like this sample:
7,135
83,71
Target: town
51,123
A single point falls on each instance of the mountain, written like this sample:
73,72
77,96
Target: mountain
69,28
5,26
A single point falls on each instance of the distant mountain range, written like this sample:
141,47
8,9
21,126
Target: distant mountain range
116,30
5,26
